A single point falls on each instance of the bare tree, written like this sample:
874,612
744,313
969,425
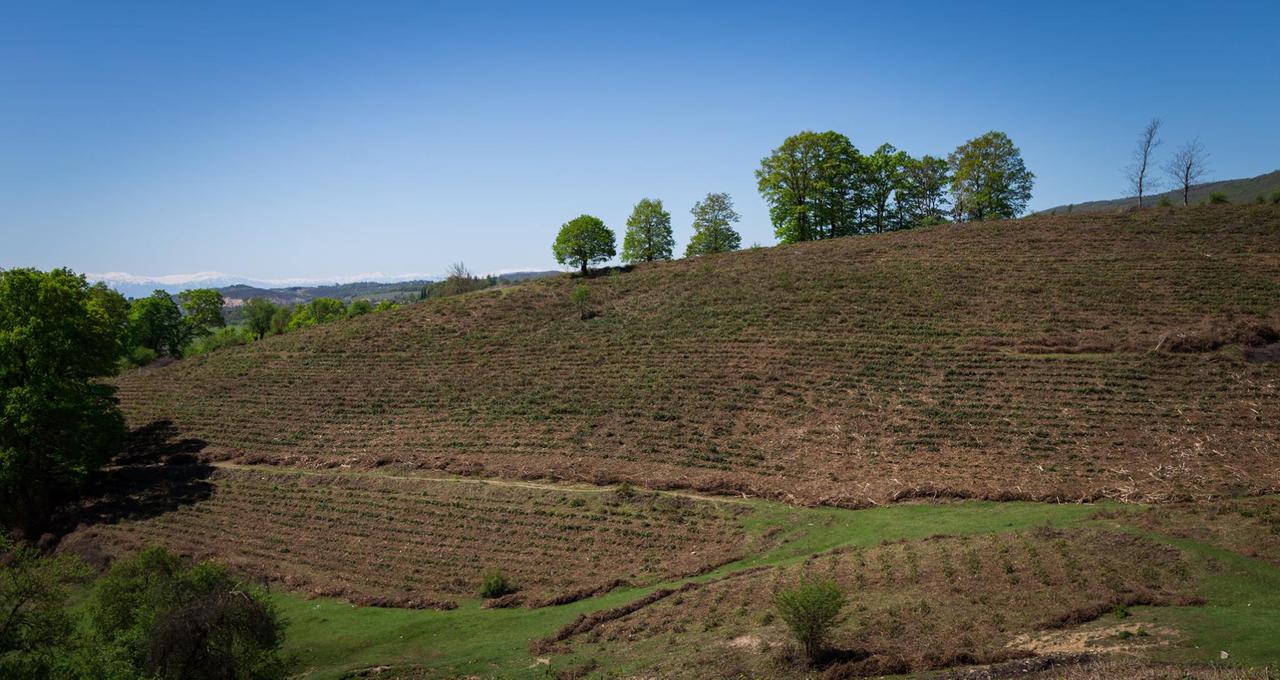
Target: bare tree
1142,159
1188,167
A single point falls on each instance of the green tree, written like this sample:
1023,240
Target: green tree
280,319
713,231
318,311
811,609
922,193
813,186
988,179
156,323
258,312
359,308
648,236
172,619
203,310
58,420
36,629
384,306
882,174
583,241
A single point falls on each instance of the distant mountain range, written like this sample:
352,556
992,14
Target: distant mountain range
1237,191
236,289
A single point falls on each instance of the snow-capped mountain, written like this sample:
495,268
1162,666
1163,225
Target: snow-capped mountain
133,285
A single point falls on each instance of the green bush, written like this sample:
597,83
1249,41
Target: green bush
582,300
1165,202
1218,198
228,336
811,609
141,356
496,584
1275,198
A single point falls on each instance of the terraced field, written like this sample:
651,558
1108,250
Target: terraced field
1067,358
423,543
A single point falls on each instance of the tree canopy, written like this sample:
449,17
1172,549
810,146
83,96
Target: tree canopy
713,231
58,335
988,179
156,322
583,241
258,312
811,185
203,309
648,236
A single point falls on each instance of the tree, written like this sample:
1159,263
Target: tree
921,196
156,323
58,420
203,309
359,308
35,627
1188,167
258,311
648,236
281,319
988,179
812,185
1138,172
583,241
713,232
811,609
319,310
458,280
176,620
882,173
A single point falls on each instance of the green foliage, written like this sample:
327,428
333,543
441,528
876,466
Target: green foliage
1218,198
988,179
58,421
583,241
156,323
203,310
581,298
384,306
882,174
258,312
170,619
280,319
713,231
811,609
359,308
459,280
1165,202
139,356
35,627
812,185
318,311
496,584
1275,198
223,337
921,193
648,236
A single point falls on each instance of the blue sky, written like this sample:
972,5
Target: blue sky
278,140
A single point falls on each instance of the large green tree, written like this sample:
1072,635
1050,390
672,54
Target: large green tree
813,187
156,323
882,173
921,197
58,421
258,312
583,241
648,236
988,179
318,311
713,231
37,629
203,309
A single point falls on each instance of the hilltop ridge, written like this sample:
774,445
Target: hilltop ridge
1058,358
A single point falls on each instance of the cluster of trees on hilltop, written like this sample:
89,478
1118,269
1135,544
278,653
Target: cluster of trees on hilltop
818,185
585,240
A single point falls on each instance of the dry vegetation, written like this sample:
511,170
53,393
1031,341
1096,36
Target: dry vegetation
998,360
417,542
916,606
1249,526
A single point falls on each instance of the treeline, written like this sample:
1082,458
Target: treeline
819,185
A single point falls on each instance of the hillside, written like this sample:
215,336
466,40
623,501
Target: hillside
1238,191
361,290
1044,358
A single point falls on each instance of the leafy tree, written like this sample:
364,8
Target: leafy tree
583,241
280,319
921,197
882,172
36,629
713,232
988,179
203,309
648,236
811,609
156,323
359,307
384,306
318,311
813,186
258,311
581,298
58,421
171,619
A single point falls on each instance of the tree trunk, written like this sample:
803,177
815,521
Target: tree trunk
584,268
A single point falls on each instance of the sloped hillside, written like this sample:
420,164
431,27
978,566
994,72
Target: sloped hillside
1052,358
1239,191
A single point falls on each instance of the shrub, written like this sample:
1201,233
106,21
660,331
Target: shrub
811,609
141,356
496,584
1218,198
1165,202
1275,198
581,298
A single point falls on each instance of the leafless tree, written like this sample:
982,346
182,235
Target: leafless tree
1139,171
1188,167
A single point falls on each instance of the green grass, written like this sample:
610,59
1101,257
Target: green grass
331,637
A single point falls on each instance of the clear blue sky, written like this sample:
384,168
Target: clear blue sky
316,139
